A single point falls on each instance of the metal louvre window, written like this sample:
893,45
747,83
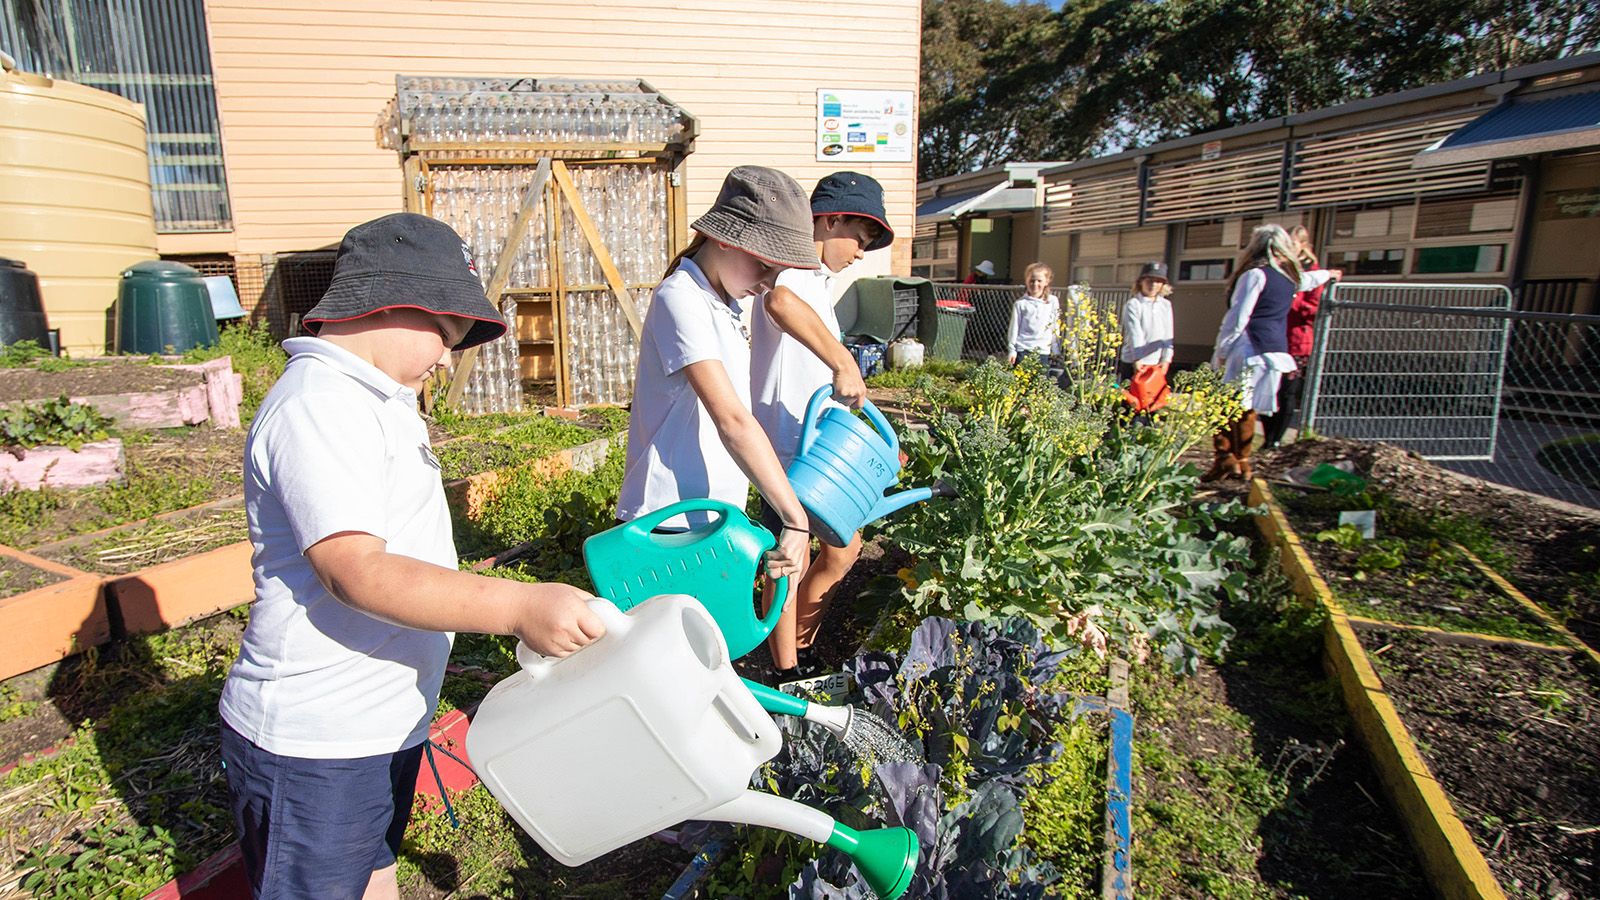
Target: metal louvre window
154,52
1375,163
1106,201
1243,181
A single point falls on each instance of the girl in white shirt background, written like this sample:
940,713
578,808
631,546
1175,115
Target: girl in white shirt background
1035,321
1147,322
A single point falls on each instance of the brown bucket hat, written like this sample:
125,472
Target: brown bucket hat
766,214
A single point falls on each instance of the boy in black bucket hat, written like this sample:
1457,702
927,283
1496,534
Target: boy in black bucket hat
326,712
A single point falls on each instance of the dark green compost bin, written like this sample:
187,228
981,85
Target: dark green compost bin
890,308
952,332
163,307
21,311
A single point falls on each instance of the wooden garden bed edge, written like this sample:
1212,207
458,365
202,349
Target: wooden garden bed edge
1455,866
52,622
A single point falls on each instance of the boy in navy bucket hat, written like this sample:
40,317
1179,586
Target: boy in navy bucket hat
357,593
795,349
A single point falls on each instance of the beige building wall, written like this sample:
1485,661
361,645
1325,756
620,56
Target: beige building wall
300,84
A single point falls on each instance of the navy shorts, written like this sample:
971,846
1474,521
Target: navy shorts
317,828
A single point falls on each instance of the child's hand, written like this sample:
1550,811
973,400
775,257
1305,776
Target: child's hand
790,556
556,620
849,388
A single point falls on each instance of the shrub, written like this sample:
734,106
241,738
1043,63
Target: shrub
1071,515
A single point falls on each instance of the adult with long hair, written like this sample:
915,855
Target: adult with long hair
1252,345
1302,333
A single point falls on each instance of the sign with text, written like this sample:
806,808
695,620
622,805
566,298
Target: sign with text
1579,203
865,126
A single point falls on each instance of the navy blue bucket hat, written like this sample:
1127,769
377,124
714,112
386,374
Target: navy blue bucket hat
407,261
853,194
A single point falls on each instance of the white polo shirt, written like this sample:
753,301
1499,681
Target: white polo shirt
1035,324
674,451
784,373
337,446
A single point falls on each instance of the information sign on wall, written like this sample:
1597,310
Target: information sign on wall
1579,203
865,126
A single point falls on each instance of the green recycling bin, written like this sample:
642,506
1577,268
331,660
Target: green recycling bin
952,332
163,307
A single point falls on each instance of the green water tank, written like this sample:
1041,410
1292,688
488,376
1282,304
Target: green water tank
163,307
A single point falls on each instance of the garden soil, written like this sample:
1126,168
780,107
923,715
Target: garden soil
1513,735
1554,547
17,577
93,380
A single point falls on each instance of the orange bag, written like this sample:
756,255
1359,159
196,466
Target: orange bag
1147,391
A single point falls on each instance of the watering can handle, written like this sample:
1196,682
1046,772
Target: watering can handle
780,598
644,524
615,620
808,422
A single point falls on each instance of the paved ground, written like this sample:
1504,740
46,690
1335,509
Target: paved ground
1516,464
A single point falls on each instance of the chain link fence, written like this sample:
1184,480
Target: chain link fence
1455,374
981,315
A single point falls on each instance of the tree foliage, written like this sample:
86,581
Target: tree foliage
1005,81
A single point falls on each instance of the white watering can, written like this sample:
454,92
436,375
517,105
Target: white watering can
647,727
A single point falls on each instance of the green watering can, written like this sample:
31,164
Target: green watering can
716,563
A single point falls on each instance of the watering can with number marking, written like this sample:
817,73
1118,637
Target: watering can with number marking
843,467
715,562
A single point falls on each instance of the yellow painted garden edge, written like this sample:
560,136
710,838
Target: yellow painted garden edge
1510,590
1453,862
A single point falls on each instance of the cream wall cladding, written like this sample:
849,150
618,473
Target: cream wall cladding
300,84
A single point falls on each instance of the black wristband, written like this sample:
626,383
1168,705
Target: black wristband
793,528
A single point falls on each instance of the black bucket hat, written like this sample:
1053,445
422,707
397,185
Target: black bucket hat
407,261
853,194
764,213
1154,270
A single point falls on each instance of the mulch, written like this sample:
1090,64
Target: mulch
136,376
1513,735
1554,547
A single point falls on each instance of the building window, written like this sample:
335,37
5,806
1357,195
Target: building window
1102,275
154,52
933,252
1367,262
1453,218
1458,260
1205,269
1206,235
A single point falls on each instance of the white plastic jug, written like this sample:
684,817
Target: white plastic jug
643,729
905,353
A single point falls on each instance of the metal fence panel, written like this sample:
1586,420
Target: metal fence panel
1405,364
1454,374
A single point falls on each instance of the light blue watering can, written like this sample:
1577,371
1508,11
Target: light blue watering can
843,467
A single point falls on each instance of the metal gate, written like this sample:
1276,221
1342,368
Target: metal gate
1420,366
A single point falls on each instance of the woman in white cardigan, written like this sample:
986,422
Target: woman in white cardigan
1252,345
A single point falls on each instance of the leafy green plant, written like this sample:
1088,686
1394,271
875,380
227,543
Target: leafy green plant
1071,517
1347,536
991,709
58,422
18,354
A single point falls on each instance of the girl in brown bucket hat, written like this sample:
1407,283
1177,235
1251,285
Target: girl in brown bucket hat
692,434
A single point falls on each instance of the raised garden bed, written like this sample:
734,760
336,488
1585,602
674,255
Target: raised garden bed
1513,735
1409,574
166,470
47,611
1548,549
136,392
36,468
1396,732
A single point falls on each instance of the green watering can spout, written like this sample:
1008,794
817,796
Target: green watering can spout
885,857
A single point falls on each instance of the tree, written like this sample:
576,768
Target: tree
987,83
1103,75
